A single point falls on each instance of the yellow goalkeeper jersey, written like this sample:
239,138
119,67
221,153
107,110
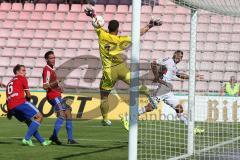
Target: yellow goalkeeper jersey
111,47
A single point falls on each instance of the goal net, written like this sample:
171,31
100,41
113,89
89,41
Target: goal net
215,133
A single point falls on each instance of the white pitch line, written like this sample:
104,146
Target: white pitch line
207,148
79,139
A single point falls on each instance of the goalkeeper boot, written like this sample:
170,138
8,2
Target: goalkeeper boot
55,140
71,141
106,122
27,142
46,143
125,122
198,131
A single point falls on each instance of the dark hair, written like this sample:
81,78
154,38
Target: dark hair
17,68
113,25
179,51
47,54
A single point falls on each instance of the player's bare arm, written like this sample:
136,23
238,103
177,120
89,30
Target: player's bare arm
51,85
186,76
153,22
2,85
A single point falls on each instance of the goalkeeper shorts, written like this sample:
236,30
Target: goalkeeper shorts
112,74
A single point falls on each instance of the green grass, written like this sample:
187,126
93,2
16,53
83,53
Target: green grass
157,140
95,142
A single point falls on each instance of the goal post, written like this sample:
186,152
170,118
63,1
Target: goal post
134,92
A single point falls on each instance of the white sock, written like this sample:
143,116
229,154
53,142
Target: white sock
183,118
141,111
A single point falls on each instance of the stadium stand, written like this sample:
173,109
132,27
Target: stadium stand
28,31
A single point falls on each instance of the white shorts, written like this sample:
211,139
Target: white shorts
163,93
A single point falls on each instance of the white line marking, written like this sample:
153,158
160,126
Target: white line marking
79,139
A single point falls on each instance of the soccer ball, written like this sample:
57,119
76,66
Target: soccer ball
98,21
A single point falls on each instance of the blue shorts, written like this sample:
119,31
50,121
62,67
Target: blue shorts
24,111
59,104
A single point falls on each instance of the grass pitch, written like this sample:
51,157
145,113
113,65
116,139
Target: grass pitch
95,142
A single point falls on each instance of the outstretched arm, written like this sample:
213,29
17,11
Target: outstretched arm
186,76
153,22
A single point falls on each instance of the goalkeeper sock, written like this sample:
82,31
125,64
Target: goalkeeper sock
183,118
32,129
57,127
141,111
38,137
69,129
104,108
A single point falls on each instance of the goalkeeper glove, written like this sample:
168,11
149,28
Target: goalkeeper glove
154,22
89,11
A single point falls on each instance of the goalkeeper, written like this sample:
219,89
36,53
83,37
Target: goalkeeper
111,46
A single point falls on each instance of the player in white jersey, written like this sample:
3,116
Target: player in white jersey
164,72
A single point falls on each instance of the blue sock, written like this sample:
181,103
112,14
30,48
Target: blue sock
38,137
32,129
57,127
69,129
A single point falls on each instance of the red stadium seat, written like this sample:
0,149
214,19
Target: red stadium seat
68,25
48,16
29,62
216,76
52,34
13,15
232,66
20,52
5,61
73,44
40,7
56,25
218,66
214,86
59,16
24,15
6,6
76,8
12,42
5,33
63,8
16,60
51,7
122,9
61,44
64,34
8,52
28,33
49,43
33,52
72,16
111,9
28,7
76,35
20,24
40,34
9,72
99,8
37,43
201,86
17,7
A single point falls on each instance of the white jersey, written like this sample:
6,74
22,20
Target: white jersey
171,69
